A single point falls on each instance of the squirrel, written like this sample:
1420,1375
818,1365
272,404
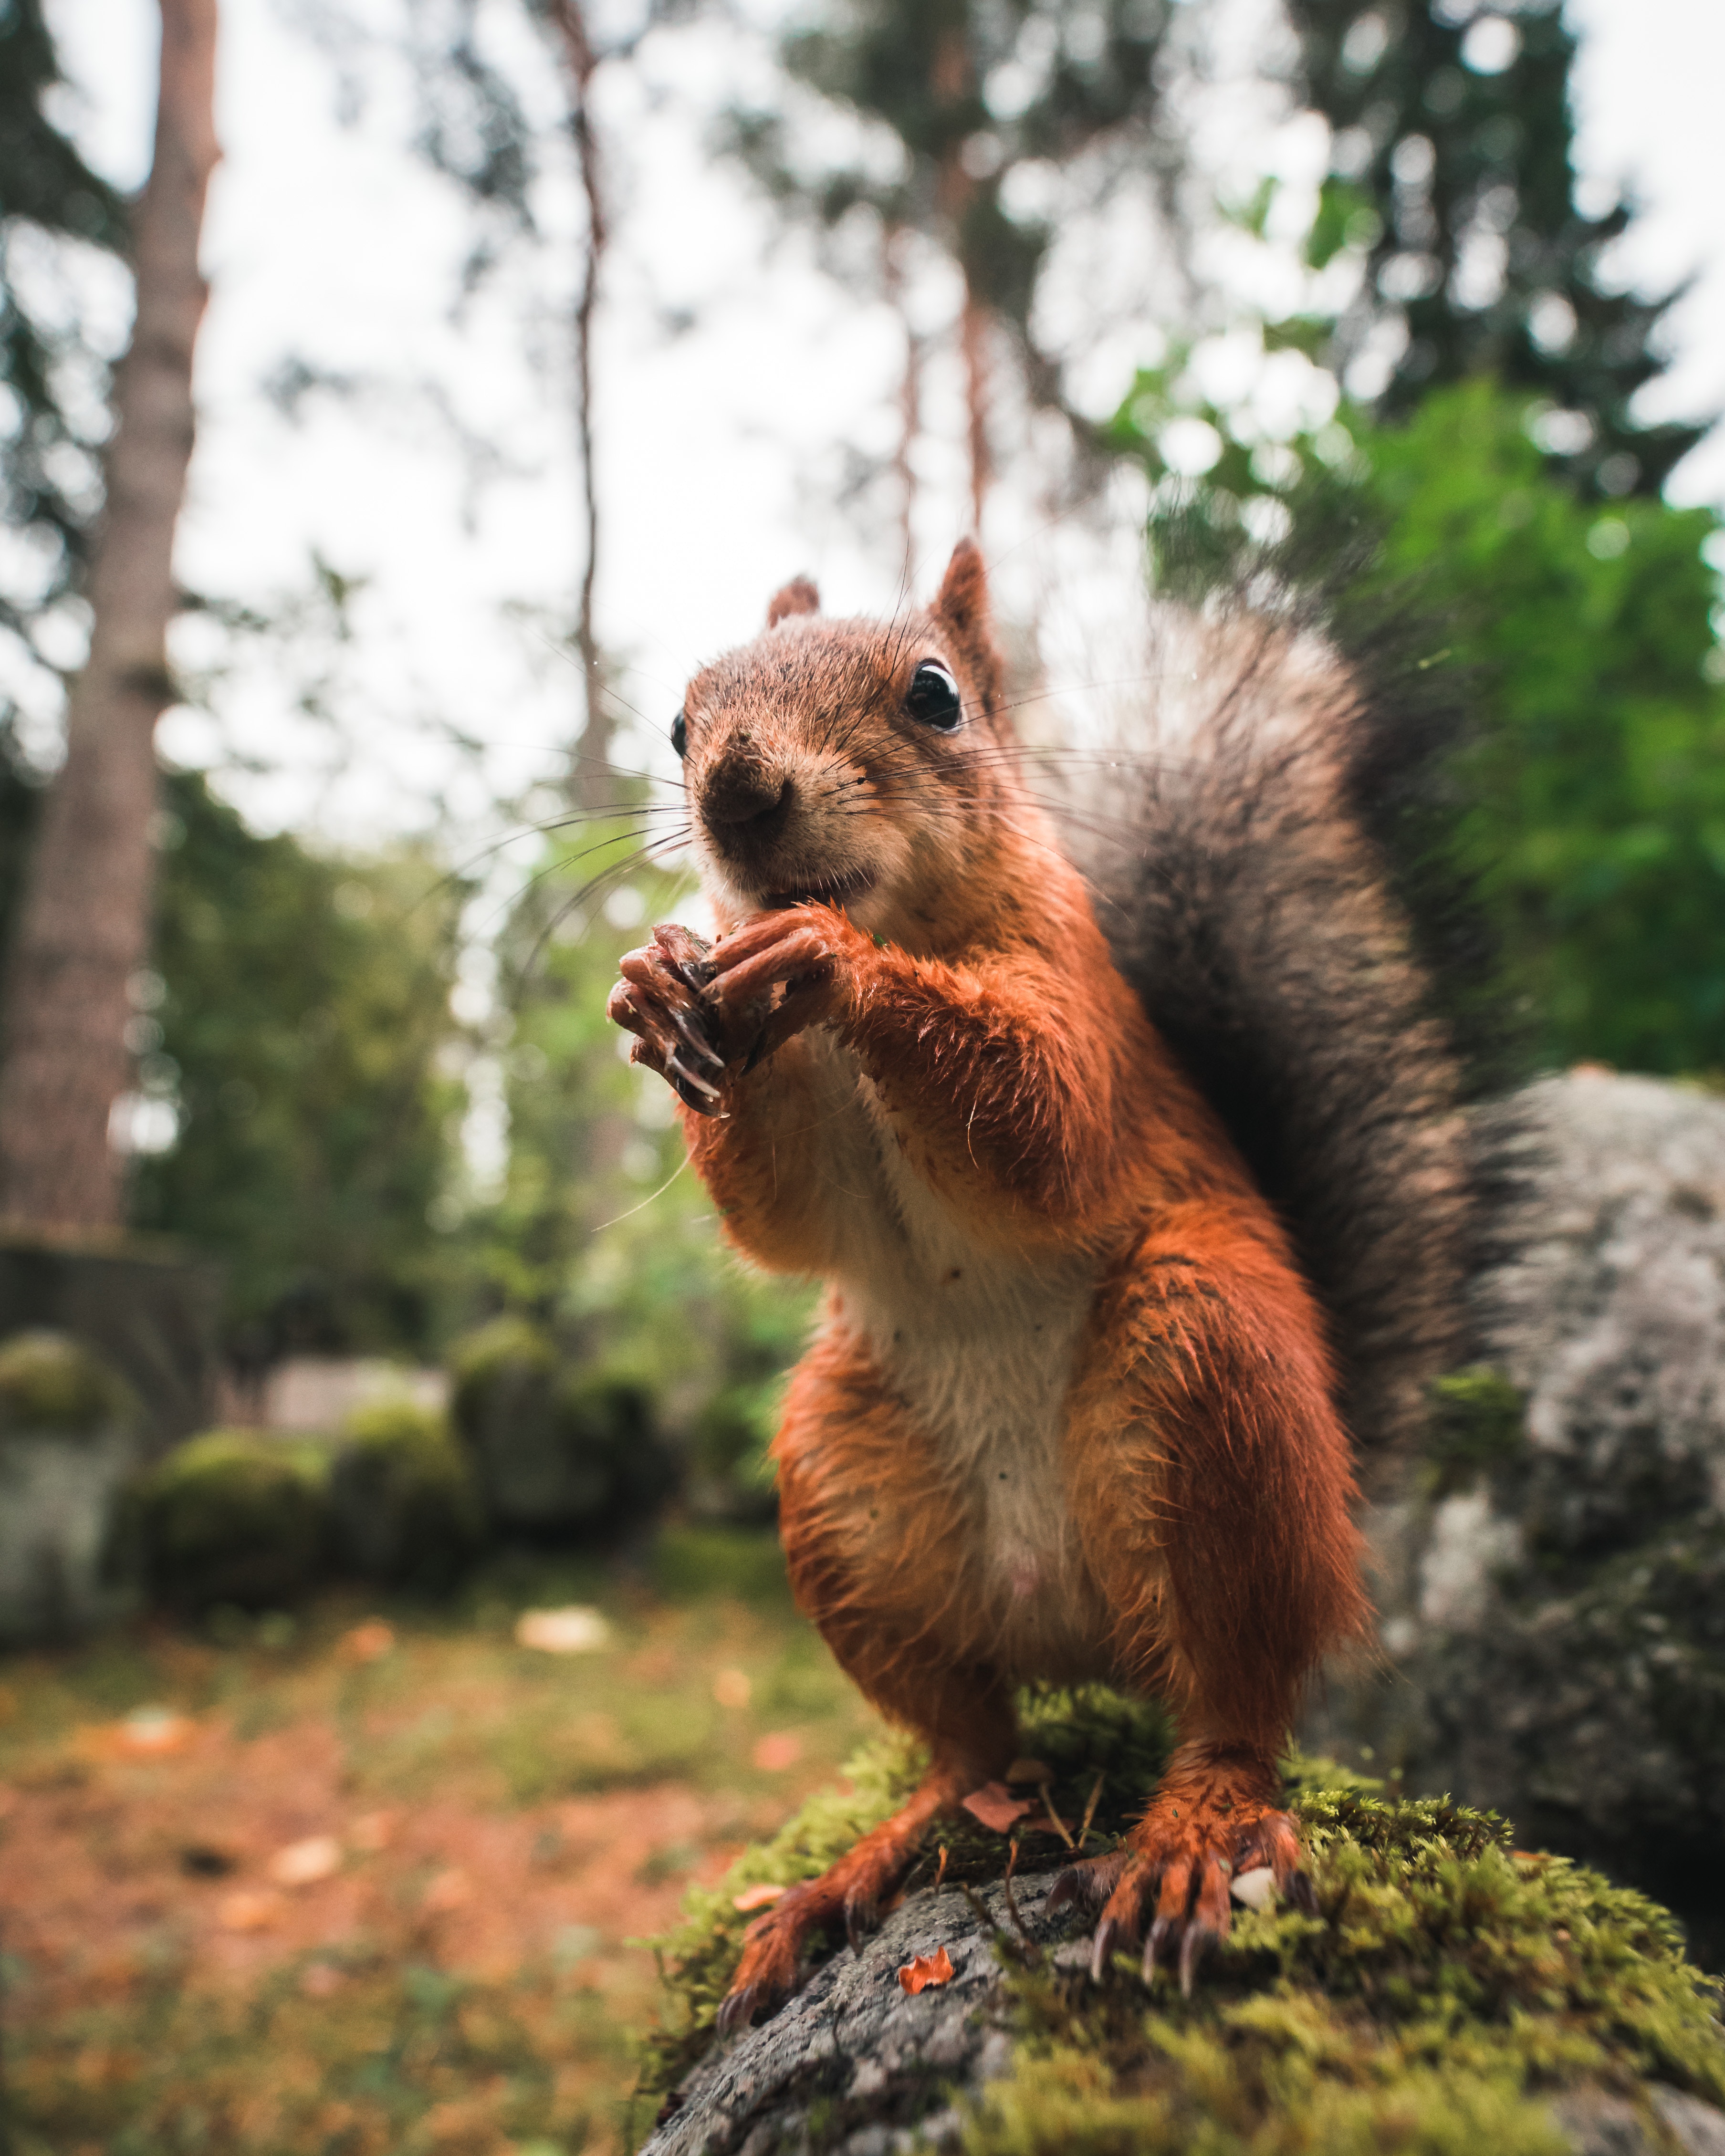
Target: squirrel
1129,1237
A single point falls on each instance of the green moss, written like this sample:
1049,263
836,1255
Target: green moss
51,1381
508,1350
1476,1425
557,1453
405,1505
234,1518
1445,1988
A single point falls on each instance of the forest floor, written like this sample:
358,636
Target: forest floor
373,1880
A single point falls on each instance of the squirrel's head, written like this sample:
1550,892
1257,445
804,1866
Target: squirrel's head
853,761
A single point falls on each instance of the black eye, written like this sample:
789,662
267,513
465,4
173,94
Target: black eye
934,697
679,734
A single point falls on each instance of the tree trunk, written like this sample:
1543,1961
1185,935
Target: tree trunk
83,923
910,406
591,785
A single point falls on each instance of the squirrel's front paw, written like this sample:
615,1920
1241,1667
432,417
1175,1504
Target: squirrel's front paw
811,953
661,999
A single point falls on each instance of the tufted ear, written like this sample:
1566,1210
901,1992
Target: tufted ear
799,596
963,604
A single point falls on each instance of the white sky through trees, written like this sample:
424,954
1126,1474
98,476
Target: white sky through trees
723,443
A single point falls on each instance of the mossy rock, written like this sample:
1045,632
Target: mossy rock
559,1454
404,1500
234,1518
71,1436
50,1382
496,1371
1450,1996
731,1477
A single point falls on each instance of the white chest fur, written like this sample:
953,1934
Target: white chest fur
980,1343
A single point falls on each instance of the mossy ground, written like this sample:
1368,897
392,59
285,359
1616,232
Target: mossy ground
1447,1986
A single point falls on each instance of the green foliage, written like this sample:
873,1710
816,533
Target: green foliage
603,1236
303,1003
51,1381
1443,1989
232,1517
49,473
1588,810
1438,160
403,1499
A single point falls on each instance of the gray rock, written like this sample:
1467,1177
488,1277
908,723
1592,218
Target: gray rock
1553,1596
878,2069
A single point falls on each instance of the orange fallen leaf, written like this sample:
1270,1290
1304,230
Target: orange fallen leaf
927,1969
372,1831
995,1806
449,1890
147,1732
249,1910
732,1688
756,1897
365,1642
777,1751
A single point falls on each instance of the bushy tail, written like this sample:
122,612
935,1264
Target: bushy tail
1252,908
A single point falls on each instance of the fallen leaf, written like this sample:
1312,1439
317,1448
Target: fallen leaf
756,1897
250,1911
995,1806
147,1732
575,1630
372,1831
777,1751
1029,1770
365,1642
731,1688
1255,1889
303,1863
449,1890
925,1970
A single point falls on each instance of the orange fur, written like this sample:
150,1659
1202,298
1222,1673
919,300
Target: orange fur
938,1094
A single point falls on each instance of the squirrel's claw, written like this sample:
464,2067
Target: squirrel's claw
1088,1884
739,2009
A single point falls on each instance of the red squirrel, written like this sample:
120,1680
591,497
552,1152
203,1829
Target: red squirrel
1073,1410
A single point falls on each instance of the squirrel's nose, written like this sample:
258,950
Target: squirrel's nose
745,802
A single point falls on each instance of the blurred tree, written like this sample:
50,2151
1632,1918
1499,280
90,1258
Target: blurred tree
1453,162
49,476
82,925
971,98
293,1021
1588,808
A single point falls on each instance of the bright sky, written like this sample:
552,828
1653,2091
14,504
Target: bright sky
722,444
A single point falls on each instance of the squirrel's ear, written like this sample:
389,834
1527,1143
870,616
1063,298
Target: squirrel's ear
963,598
799,596
964,605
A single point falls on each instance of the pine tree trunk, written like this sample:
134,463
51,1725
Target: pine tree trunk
83,923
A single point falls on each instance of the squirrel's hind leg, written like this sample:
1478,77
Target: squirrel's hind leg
1212,1483
852,1890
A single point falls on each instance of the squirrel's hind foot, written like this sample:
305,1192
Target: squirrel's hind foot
1216,1817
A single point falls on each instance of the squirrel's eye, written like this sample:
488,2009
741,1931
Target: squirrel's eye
933,697
679,734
